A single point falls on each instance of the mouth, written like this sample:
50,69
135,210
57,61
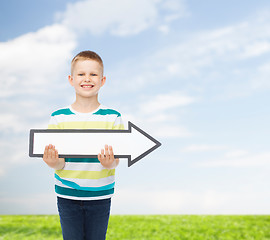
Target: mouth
87,86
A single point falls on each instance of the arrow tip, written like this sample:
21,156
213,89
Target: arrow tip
157,144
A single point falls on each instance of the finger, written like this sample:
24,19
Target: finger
107,154
50,147
50,151
111,151
101,155
45,155
116,162
54,150
102,152
56,154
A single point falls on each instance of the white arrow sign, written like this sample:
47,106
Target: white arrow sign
133,143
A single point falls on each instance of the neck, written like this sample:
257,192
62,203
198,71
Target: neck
85,105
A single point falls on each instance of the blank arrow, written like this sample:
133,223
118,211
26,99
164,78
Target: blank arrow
133,144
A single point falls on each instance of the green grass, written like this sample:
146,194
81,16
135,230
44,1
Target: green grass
146,227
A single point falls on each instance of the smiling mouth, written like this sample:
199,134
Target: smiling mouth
87,86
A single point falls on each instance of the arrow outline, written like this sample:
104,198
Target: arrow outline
129,130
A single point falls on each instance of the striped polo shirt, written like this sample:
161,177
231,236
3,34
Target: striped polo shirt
85,178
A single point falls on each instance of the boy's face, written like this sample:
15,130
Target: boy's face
87,78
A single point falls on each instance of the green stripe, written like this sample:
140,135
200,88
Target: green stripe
85,174
85,125
119,127
78,187
88,160
107,112
53,126
65,111
81,193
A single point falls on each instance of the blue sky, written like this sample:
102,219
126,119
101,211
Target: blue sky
194,74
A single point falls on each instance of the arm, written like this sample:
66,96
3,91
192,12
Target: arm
107,159
51,158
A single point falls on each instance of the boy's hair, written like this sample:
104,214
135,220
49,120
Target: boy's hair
86,55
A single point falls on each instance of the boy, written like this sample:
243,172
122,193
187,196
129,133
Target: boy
84,186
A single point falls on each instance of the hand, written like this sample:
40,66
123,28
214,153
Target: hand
50,157
107,160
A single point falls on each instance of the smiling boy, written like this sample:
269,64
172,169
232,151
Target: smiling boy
84,186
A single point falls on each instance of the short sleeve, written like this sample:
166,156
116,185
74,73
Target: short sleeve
53,124
118,123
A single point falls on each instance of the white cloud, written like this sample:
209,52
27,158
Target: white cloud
260,80
10,121
172,130
220,63
164,29
174,5
237,153
34,62
29,204
119,17
188,202
203,148
2,172
163,102
160,114
238,159
157,125
256,49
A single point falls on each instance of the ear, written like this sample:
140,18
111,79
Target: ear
70,79
103,80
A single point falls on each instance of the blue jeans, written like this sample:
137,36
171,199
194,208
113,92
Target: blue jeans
84,220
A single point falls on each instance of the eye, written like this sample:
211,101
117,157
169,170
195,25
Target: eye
80,74
93,74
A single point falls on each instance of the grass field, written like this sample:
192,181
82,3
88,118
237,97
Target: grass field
152,227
